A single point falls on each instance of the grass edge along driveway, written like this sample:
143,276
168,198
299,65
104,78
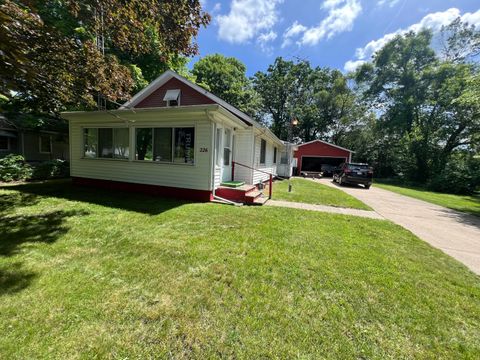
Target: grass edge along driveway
464,203
100,274
311,192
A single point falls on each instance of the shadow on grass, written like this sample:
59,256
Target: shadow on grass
12,200
17,231
130,201
14,278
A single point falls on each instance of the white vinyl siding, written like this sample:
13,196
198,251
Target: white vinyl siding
197,176
243,155
269,166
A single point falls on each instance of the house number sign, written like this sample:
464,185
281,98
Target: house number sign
203,149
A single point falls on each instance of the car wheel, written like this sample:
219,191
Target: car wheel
367,187
340,181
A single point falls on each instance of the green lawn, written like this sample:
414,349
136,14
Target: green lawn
98,274
469,204
311,192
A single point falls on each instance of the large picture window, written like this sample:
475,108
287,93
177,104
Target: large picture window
175,145
107,143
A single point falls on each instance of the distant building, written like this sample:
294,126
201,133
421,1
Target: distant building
40,140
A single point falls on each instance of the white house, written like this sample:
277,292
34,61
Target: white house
173,138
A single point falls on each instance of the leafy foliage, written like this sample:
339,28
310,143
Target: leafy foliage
13,167
61,54
51,169
226,77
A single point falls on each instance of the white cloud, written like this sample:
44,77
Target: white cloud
352,65
433,21
247,19
341,15
265,39
389,3
216,8
294,30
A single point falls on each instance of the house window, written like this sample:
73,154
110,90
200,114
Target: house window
283,158
166,144
227,147
274,155
218,141
45,142
184,145
4,143
106,143
90,141
172,97
263,151
121,149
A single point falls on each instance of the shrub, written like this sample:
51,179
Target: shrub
13,167
461,175
51,169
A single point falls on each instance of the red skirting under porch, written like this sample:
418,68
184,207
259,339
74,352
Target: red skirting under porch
165,191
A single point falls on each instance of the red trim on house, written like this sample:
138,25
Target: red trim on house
164,191
188,95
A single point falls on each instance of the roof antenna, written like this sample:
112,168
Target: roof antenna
100,42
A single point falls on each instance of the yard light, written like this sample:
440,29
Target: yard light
294,122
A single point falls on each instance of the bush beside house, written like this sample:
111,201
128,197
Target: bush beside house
14,168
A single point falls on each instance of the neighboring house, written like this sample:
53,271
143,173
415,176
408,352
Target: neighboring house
172,138
313,155
35,143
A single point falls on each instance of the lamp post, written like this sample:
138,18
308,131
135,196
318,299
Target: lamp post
293,122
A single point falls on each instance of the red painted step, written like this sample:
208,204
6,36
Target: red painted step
247,194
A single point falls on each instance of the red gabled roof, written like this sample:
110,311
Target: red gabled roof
327,143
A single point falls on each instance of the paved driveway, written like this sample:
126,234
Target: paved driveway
453,232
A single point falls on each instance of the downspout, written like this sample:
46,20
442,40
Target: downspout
214,159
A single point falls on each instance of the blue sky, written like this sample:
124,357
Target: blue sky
335,33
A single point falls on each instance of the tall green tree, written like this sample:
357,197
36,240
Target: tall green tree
226,77
422,103
58,54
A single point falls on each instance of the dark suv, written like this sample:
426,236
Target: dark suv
351,173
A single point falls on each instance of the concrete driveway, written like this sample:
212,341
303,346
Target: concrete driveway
455,233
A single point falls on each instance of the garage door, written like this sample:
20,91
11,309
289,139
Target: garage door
314,163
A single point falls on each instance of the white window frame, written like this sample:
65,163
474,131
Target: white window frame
40,144
177,100
173,144
113,143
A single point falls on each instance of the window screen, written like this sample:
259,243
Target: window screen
90,141
121,143
263,151
184,145
105,143
162,144
144,144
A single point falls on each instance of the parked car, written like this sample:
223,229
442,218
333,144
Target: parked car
328,169
352,173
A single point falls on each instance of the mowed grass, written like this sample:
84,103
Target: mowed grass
308,191
99,274
464,203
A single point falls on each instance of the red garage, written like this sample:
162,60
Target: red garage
318,155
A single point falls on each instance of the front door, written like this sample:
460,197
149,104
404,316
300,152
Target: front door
227,154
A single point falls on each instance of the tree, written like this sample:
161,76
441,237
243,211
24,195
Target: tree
424,104
58,54
281,88
226,77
